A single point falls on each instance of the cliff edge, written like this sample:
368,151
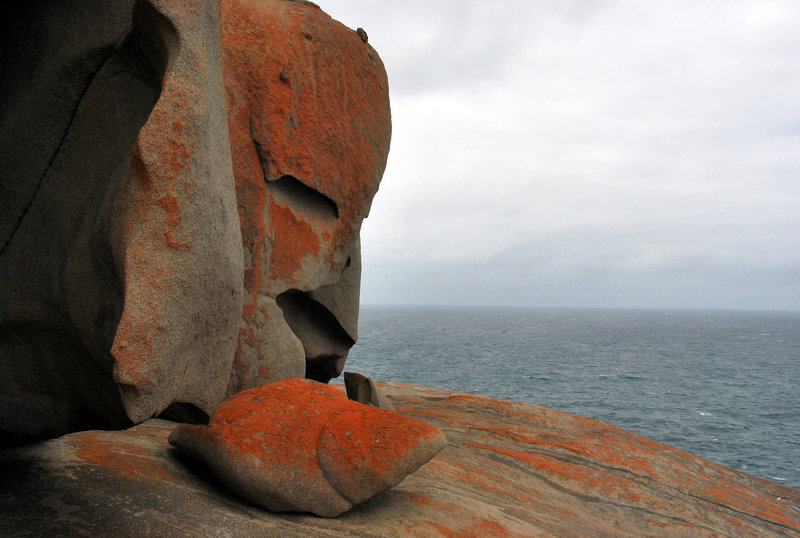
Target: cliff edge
509,469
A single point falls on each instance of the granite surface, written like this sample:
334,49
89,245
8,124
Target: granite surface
509,469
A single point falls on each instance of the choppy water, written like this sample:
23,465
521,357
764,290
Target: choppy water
722,385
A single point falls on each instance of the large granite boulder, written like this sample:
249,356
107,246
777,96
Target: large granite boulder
299,445
508,469
125,203
120,270
308,107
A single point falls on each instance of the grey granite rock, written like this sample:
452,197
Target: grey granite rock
509,469
120,268
363,389
299,445
168,237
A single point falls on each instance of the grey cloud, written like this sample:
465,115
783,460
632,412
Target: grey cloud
604,153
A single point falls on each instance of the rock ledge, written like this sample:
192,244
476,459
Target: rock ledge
509,469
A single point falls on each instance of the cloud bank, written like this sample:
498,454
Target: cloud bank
619,154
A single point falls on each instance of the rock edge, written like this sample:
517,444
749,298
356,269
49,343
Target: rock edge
509,469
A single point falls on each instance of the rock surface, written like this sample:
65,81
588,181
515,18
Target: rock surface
363,389
182,185
300,445
308,106
508,470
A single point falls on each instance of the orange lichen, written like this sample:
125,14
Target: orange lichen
425,500
170,204
487,527
602,481
472,529
305,98
126,459
468,474
369,440
294,239
444,530
296,411
748,501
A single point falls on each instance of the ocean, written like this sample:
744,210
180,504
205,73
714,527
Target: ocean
724,385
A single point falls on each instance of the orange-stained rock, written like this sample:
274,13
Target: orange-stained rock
509,469
120,258
175,230
308,109
299,445
181,193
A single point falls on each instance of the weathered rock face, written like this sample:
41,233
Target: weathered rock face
120,272
310,126
299,445
363,389
125,288
508,470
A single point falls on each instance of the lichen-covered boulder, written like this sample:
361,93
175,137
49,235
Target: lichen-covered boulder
300,445
308,109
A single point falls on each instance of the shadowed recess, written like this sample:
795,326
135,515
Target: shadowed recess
304,198
142,55
185,412
325,342
54,344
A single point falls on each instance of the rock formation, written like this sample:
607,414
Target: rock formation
182,184
299,445
181,197
509,469
309,121
364,390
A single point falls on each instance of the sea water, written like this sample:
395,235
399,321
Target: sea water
724,385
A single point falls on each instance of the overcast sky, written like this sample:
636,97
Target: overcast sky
586,153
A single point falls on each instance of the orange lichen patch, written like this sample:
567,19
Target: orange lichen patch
442,414
748,501
164,138
607,446
302,445
318,96
424,500
178,155
469,474
125,459
298,411
294,239
739,523
247,420
364,443
607,451
591,479
170,204
481,528
666,524
444,530
487,527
